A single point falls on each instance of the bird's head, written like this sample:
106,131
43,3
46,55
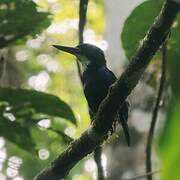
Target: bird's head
86,54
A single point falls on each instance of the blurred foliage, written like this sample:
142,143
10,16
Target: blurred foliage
37,121
26,108
18,19
14,132
169,144
135,28
40,102
169,148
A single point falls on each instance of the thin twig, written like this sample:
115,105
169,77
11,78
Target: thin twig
155,111
82,18
142,176
82,22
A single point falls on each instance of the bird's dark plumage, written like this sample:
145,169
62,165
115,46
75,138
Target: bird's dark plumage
97,79
96,82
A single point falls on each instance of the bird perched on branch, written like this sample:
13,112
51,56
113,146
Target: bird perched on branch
97,79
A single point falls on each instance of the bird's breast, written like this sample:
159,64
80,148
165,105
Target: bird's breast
96,83
95,90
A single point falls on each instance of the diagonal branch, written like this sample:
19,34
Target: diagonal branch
118,93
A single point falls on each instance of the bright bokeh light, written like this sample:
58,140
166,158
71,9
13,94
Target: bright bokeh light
10,116
1,165
3,154
90,166
90,37
94,175
43,154
51,1
22,55
48,62
11,172
63,26
78,177
2,142
70,131
18,178
2,177
39,81
44,123
104,162
15,159
55,7
78,116
15,162
35,43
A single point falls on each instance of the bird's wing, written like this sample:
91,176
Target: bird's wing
107,76
96,87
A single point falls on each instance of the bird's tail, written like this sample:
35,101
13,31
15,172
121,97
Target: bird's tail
123,118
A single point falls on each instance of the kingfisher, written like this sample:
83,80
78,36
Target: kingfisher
97,79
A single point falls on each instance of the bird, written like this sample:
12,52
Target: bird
97,79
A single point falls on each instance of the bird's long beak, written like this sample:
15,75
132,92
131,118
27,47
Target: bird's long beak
72,50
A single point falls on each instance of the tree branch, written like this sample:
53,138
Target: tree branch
82,18
118,93
82,22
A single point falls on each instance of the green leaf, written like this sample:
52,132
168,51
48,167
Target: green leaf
17,134
41,102
137,24
19,18
169,144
